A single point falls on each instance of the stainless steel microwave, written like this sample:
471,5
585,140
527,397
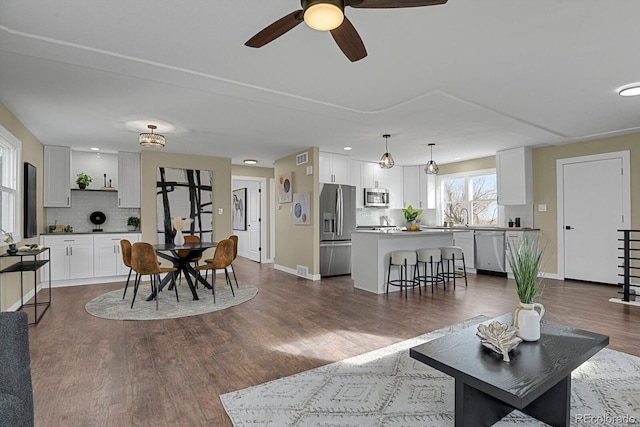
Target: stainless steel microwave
376,197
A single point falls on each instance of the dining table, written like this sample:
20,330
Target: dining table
184,264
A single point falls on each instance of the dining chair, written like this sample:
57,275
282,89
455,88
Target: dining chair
235,255
125,248
189,238
222,258
144,261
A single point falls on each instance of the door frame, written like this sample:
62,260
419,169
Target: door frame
263,209
626,194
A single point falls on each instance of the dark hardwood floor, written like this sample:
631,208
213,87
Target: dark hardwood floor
94,372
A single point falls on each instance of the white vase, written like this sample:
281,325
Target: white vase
178,239
526,320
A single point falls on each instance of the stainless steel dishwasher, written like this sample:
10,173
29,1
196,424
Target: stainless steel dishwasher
490,255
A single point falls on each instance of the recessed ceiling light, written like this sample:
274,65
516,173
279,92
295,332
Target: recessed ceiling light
250,162
633,90
94,149
457,158
347,148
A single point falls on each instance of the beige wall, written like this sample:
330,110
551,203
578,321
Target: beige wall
221,168
260,172
545,189
298,244
33,153
468,165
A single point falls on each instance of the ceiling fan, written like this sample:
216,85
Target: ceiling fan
328,15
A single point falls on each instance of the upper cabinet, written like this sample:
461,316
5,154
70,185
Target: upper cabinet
129,180
356,181
395,181
514,170
373,176
419,188
334,168
57,173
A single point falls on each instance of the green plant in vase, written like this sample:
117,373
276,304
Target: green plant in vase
133,222
83,180
410,216
525,261
8,239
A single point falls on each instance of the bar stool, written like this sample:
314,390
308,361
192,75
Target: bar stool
403,259
451,254
430,256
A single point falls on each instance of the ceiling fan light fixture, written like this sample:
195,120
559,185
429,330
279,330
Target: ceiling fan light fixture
323,15
386,162
150,139
431,168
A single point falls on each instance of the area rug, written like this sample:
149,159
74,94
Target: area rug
386,387
112,306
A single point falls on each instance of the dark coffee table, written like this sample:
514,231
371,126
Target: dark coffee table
537,381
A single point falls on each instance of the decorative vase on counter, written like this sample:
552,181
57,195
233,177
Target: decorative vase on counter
82,186
526,320
178,239
12,249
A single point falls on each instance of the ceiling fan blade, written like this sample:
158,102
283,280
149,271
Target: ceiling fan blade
349,41
275,30
389,4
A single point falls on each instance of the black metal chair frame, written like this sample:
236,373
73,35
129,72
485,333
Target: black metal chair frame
449,274
431,279
403,281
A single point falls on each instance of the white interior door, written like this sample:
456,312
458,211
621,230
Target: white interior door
249,241
594,209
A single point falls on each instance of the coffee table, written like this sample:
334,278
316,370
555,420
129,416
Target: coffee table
537,381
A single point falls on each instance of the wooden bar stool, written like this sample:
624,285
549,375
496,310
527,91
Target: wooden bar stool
430,256
403,259
451,254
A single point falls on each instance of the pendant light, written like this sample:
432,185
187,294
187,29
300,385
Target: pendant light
150,139
386,162
431,168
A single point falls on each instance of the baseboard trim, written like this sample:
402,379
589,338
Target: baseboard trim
295,272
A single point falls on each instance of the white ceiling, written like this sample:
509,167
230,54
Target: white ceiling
472,76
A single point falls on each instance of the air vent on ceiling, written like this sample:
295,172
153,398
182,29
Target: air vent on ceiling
302,158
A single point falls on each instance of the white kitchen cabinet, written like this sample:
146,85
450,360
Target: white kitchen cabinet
128,180
466,240
416,188
356,181
513,239
57,177
71,256
514,169
334,168
395,180
107,254
373,176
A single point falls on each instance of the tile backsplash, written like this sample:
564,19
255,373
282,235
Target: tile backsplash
83,203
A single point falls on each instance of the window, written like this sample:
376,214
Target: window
10,150
470,197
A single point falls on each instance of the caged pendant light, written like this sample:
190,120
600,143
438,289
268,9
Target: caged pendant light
386,162
431,168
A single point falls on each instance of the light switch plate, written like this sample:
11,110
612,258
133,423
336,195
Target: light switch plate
220,211
542,208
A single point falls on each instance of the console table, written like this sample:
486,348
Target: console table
28,264
537,381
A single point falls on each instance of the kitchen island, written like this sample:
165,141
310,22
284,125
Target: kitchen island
371,250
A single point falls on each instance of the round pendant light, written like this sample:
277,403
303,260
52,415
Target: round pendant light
151,139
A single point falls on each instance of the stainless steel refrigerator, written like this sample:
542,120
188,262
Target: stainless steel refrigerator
338,221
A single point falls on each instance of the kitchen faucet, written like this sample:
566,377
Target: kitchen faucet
467,216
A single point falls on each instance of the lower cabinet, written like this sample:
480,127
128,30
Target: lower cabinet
465,239
85,256
107,254
71,257
513,239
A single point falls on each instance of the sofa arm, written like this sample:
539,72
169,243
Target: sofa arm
16,393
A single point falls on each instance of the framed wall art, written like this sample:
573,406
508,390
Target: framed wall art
285,188
239,212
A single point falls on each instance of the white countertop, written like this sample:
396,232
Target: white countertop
407,233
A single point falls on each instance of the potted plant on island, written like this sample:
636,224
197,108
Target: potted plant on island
410,216
133,222
83,180
524,261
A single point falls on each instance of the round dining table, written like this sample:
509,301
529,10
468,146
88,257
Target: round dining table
171,252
